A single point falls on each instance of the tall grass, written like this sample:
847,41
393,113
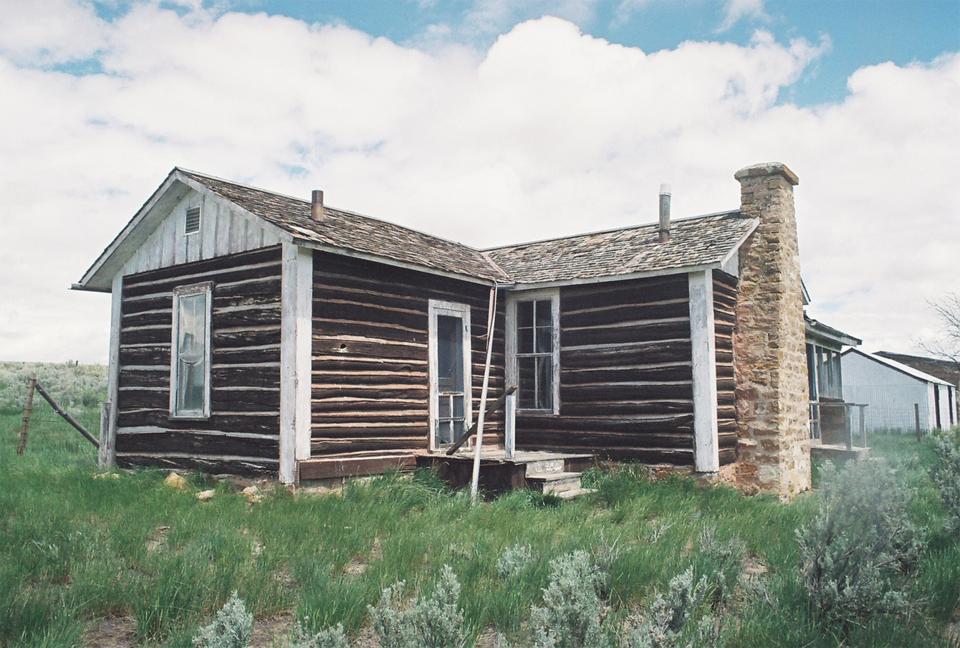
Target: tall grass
74,549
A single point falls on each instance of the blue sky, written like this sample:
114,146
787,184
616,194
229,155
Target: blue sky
861,32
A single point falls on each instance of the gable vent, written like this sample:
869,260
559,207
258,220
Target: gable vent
192,224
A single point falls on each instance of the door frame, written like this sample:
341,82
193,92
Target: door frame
450,309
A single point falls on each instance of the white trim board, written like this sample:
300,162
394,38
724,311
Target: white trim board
525,287
704,360
107,456
296,328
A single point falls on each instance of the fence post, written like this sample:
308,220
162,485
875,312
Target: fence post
27,411
848,424
916,418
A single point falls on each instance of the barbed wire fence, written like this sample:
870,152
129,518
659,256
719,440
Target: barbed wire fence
45,422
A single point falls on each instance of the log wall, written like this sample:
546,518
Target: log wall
370,331
725,319
626,382
241,435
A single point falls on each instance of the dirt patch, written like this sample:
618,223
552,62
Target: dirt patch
489,638
272,631
367,638
285,578
753,567
158,539
358,565
112,632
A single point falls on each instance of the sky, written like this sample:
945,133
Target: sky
486,121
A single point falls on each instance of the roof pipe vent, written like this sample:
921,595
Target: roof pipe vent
316,205
664,213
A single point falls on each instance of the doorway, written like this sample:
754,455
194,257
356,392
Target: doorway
449,373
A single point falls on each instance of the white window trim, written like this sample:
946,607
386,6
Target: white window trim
553,294
205,287
437,307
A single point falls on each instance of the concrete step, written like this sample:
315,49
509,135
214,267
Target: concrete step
542,466
570,494
554,483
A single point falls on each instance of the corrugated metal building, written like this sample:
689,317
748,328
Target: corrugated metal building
892,390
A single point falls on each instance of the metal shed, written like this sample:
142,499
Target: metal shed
898,396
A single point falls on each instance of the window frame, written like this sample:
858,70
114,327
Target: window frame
204,288
513,357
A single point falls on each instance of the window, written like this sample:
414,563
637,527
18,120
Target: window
190,352
191,224
535,352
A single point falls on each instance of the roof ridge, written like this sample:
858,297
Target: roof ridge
612,230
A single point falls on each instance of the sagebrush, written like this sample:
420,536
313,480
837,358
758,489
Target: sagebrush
232,627
859,551
946,475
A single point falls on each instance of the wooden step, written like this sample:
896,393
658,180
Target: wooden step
336,467
554,483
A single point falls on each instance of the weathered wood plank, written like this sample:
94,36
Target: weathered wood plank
197,443
353,467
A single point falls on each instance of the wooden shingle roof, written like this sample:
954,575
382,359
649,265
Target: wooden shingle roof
697,241
355,232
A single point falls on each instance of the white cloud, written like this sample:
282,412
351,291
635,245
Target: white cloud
548,131
49,31
736,10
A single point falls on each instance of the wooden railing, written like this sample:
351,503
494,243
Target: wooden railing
816,421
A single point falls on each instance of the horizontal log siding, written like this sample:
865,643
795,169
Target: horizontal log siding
724,314
241,435
370,330
626,387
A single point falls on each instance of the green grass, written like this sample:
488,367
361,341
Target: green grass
74,549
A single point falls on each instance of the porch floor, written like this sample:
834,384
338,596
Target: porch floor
837,451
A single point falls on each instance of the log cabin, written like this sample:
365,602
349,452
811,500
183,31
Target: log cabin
254,332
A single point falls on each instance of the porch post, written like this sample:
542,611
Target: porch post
704,364
296,333
509,425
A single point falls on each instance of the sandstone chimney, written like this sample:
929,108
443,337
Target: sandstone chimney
771,382
316,205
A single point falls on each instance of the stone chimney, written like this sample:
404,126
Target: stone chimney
769,344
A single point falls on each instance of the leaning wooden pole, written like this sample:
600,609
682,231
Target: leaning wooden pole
67,416
497,404
27,411
491,320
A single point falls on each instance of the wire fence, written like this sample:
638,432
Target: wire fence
47,429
